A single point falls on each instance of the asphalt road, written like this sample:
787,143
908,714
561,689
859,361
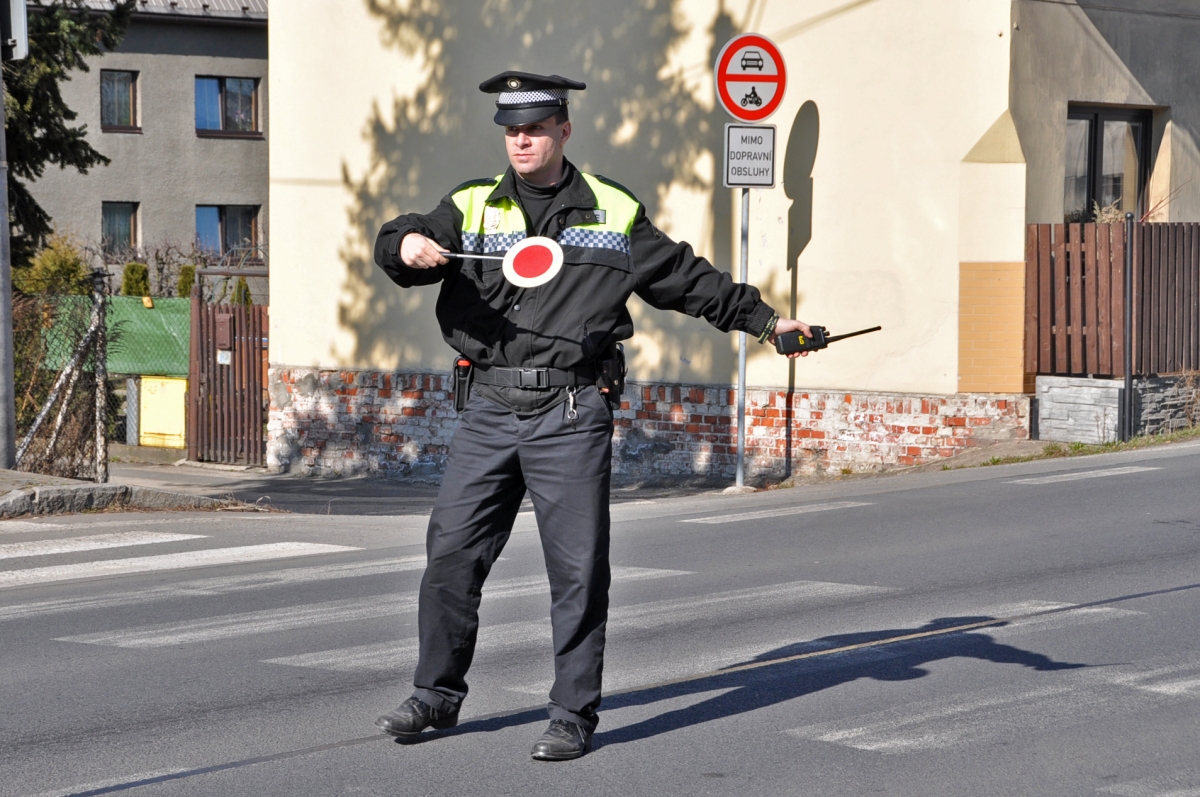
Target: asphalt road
1017,630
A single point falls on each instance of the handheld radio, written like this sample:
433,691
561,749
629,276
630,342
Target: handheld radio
793,342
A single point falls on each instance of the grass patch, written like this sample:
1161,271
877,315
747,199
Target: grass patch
1062,450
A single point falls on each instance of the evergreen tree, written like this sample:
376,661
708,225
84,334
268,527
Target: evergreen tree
62,35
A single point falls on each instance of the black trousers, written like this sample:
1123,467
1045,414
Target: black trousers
565,465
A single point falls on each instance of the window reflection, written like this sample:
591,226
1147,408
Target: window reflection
117,99
1119,181
1104,164
1075,196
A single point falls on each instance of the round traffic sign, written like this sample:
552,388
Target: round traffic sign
533,262
750,77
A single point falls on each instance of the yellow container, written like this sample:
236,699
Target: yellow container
162,422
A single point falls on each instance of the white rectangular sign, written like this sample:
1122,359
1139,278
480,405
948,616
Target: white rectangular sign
749,156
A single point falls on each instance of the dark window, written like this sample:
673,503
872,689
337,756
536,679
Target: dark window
220,228
118,227
227,106
118,101
1107,163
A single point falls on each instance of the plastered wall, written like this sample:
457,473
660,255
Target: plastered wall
885,100
166,168
1141,54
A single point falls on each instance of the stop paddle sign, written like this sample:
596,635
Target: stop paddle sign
533,262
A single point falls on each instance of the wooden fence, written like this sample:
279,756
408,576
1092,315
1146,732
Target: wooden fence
1075,299
228,365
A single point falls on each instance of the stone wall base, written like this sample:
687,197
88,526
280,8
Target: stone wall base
1082,410
326,422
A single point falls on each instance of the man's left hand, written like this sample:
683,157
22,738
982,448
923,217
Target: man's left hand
791,325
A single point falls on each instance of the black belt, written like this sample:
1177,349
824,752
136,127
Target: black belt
534,378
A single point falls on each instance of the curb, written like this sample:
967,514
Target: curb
59,500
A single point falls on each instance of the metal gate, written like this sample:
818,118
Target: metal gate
226,380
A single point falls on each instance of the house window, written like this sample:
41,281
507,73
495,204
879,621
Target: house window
118,101
118,227
227,106
220,228
1107,161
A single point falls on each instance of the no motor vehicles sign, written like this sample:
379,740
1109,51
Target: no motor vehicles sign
750,77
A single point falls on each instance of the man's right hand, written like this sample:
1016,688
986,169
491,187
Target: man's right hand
417,251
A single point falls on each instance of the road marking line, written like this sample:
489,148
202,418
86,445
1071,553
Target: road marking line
754,602
96,542
219,585
782,511
171,561
1087,474
307,615
975,716
1153,680
102,786
1174,785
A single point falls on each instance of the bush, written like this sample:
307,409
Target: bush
187,278
136,280
58,268
241,293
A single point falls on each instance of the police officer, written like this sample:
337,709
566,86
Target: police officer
544,381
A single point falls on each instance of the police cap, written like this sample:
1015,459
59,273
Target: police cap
526,98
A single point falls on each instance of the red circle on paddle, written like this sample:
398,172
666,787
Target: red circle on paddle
533,261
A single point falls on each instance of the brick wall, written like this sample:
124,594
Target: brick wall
325,422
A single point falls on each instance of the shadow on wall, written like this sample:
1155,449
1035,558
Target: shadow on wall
798,162
635,124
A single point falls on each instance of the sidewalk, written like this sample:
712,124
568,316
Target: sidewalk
24,493
205,486
356,495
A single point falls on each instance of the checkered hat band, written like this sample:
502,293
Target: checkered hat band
594,239
557,96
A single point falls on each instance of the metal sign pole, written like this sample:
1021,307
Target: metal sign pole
8,409
1128,426
741,395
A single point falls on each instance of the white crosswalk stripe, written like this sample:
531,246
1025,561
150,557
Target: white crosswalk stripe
173,561
314,614
1070,696
1086,474
218,585
96,542
758,601
1175,784
782,511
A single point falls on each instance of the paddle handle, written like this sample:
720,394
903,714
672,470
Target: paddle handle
472,257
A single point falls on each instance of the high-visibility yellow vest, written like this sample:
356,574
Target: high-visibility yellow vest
496,226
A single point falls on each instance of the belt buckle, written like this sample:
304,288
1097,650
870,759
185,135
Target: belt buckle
533,378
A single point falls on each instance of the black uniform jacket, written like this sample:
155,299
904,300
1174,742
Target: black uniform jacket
572,320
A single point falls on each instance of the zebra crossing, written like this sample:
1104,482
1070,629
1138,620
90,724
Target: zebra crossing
959,719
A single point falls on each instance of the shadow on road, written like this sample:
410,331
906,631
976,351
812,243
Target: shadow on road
770,684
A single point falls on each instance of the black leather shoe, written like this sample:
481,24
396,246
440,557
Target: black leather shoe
414,716
562,741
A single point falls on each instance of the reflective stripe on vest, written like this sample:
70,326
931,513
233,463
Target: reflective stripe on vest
488,228
499,225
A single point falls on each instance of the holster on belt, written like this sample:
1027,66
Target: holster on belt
610,374
463,370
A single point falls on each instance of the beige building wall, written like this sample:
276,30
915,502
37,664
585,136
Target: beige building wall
863,227
991,278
